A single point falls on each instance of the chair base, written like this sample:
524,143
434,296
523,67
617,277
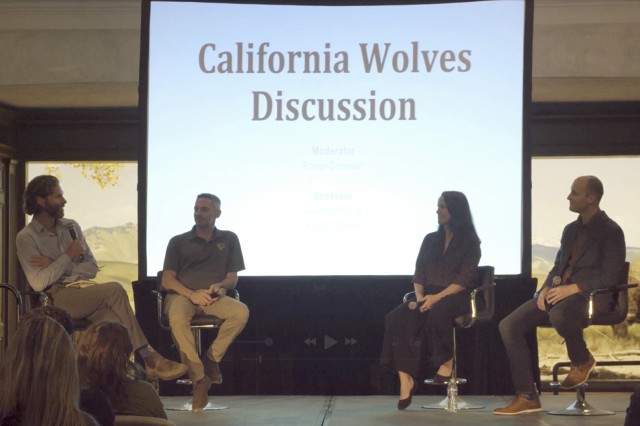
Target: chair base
459,381
580,407
188,407
445,404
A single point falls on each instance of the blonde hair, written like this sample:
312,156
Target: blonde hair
39,377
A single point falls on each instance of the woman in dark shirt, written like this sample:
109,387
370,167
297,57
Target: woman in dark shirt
445,274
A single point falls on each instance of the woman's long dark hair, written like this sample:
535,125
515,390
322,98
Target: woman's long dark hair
461,223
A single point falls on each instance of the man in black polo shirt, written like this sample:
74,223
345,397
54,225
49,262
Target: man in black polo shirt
591,256
197,265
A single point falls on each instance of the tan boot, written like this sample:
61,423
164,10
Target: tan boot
578,374
520,405
212,369
158,367
200,394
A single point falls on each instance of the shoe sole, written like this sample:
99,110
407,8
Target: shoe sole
563,387
532,410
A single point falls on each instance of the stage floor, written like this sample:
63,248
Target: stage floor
381,410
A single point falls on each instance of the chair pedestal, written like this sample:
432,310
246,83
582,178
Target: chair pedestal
452,402
580,407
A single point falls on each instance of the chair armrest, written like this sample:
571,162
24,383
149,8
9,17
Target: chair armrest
17,296
612,289
159,307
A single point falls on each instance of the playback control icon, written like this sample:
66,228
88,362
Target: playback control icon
328,341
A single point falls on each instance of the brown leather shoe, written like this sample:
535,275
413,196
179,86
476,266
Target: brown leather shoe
520,405
212,369
158,367
200,394
578,374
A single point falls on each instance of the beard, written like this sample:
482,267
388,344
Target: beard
53,210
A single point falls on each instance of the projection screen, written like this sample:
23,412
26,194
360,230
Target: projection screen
330,130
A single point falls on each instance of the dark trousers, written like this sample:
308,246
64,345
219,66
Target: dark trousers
415,341
633,411
569,317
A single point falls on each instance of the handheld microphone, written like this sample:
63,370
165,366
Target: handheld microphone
220,293
412,305
74,236
555,282
72,231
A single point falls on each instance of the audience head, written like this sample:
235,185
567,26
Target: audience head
40,186
38,376
59,315
103,357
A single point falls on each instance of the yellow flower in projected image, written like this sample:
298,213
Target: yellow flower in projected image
104,174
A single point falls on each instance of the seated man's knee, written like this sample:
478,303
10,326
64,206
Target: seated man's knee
115,288
242,312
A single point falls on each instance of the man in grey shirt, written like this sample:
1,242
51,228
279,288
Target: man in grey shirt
197,265
56,259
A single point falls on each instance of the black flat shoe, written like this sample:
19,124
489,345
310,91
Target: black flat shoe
441,380
404,403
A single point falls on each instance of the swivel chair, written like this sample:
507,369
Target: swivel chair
198,323
482,307
618,314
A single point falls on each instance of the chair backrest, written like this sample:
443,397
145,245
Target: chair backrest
620,308
486,279
482,299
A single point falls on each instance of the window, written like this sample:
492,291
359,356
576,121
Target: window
102,198
552,179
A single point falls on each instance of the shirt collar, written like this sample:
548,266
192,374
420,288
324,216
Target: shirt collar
596,221
39,227
194,236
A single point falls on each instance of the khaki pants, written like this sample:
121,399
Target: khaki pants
180,311
99,303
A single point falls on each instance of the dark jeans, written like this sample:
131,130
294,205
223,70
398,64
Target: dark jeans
568,317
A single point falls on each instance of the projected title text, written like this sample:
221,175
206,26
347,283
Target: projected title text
376,58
